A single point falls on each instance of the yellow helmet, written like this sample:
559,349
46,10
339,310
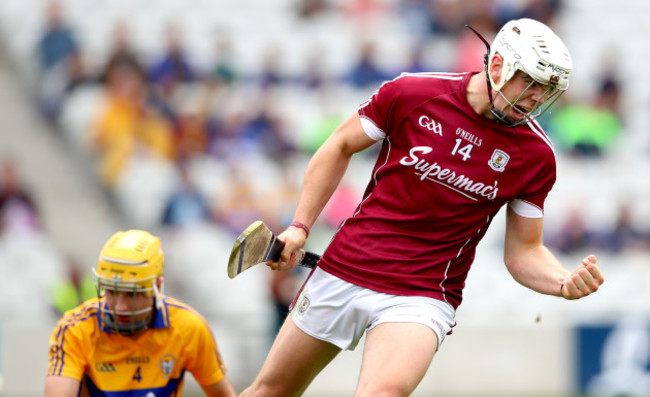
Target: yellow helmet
130,262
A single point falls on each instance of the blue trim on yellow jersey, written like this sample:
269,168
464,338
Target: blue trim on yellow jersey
169,390
88,313
156,368
161,316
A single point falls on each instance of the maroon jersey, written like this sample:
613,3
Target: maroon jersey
442,174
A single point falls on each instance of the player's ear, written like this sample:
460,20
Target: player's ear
496,66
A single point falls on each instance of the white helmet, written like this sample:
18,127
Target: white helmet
532,47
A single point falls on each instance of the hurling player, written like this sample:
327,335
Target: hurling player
455,148
132,340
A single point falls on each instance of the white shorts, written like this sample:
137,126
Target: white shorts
339,312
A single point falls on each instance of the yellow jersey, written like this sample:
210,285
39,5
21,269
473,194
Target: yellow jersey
149,363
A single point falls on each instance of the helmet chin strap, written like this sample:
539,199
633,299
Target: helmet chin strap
499,115
503,119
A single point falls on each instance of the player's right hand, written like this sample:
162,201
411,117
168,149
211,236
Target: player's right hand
294,240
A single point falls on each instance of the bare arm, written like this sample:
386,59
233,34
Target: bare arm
223,388
324,173
534,266
61,386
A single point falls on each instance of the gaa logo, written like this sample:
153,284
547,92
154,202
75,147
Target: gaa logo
104,367
430,125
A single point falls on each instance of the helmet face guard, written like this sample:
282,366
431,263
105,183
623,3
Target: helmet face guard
139,319
545,101
531,47
129,267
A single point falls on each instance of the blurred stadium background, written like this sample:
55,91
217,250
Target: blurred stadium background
191,118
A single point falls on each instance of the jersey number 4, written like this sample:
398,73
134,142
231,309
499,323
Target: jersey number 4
463,151
137,376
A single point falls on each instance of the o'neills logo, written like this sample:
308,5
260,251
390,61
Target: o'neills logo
446,177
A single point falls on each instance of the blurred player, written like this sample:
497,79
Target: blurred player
455,149
132,340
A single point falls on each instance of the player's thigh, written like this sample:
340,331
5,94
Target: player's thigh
396,357
292,363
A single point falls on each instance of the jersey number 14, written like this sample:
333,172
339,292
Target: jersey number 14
464,151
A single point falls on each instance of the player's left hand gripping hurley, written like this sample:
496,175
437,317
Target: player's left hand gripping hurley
259,244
